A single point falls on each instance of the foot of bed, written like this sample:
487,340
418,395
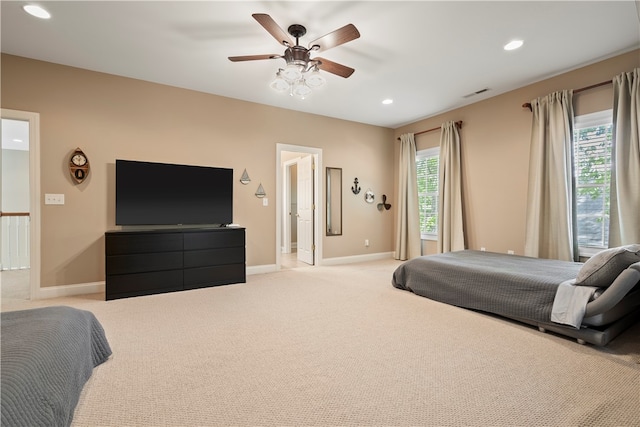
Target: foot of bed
541,329
581,342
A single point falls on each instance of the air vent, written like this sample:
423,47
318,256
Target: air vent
478,92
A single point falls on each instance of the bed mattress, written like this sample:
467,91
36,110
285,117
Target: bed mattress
47,356
508,285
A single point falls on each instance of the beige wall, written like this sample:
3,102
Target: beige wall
495,150
112,117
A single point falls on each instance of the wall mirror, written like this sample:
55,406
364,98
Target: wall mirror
334,201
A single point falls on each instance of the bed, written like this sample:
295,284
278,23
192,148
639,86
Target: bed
592,302
47,356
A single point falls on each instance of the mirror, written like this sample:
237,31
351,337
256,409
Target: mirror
334,201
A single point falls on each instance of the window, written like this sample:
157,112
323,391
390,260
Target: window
592,158
427,165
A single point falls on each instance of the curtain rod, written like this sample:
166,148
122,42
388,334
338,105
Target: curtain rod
458,125
528,104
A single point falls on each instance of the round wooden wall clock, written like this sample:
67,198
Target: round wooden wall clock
78,166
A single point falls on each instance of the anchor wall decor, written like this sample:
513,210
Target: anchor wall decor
355,188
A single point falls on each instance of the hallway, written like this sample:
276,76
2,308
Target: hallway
289,261
14,284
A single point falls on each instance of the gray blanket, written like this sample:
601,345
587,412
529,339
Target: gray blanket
509,285
47,356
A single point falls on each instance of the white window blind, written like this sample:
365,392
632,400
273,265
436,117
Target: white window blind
427,165
592,164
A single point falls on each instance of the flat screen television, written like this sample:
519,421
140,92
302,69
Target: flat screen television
168,194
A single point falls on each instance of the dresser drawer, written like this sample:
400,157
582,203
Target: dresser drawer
124,243
211,257
212,276
127,285
137,263
214,239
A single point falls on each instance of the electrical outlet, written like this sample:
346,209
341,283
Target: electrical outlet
366,243
483,249
510,252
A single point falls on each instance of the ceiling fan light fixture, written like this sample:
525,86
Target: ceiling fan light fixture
302,73
315,79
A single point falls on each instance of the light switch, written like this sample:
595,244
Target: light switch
265,202
54,199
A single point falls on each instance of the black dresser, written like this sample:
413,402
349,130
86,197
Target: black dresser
145,262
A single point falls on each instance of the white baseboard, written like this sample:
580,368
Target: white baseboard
259,269
357,258
69,290
98,287
270,268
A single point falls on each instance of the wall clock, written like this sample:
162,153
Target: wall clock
369,196
78,166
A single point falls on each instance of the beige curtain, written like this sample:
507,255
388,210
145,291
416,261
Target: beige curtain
624,223
450,223
550,224
408,244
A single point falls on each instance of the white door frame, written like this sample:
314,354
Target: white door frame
317,200
34,193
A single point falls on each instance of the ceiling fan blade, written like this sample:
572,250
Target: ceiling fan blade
336,38
334,68
274,29
254,57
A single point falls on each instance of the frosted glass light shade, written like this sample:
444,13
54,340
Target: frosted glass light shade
279,84
301,89
315,79
292,72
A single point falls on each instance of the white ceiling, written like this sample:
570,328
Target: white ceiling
425,55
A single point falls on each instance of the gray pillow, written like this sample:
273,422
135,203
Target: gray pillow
602,269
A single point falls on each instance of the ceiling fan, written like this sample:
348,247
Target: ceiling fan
302,72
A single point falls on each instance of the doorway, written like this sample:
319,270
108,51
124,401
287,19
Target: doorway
19,204
298,237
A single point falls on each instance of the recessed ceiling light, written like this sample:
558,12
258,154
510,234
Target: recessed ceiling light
514,44
36,11
387,101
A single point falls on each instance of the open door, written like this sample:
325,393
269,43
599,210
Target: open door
20,204
287,155
305,214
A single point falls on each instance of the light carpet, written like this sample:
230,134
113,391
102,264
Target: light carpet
338,345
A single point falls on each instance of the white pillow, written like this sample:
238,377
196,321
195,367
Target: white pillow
602,269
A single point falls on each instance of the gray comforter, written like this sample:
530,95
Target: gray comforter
47,356
509,285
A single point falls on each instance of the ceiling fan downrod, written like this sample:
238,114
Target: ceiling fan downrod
297,31
299,55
